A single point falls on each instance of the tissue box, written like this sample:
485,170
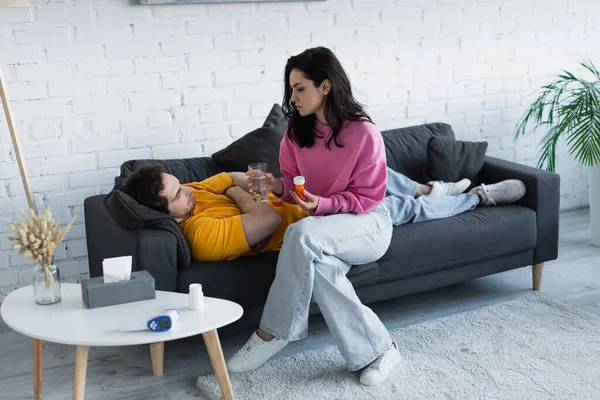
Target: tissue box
96,293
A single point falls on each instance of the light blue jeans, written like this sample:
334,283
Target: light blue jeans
404,208
316,255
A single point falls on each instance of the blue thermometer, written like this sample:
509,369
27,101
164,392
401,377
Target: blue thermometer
161,323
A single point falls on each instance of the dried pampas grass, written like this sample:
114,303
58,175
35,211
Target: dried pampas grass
38,237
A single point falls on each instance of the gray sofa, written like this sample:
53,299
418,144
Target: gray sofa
421,256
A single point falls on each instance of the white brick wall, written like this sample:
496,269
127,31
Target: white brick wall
97,83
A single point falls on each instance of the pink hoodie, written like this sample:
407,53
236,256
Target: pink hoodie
351,179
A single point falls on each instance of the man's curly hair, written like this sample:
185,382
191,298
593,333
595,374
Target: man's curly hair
144,185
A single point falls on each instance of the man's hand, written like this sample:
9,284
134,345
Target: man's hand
311,203
258,246
239,179
259,220
230,192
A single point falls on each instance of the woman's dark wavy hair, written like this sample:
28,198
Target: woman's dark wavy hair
318,64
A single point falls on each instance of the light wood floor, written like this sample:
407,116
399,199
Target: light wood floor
126,372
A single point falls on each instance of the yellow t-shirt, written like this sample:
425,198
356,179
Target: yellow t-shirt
214,231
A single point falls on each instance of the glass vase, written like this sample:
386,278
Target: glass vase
46,285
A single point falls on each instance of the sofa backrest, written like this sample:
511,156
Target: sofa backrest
406,148
186,170
406,151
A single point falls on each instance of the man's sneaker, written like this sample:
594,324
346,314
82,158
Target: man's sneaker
379,370
439,188
254,353
504,192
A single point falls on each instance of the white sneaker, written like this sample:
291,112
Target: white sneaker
439,188
254,353
504,192
379,370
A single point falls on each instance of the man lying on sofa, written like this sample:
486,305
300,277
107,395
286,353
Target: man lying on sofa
218,217
221,221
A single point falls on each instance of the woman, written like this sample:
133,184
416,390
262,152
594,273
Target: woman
335,146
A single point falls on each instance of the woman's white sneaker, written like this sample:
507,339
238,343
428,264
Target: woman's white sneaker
439,188
254,353
504,192
379,370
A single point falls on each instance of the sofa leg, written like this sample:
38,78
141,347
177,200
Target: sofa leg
537,275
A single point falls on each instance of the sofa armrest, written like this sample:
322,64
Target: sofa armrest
543,196
152,250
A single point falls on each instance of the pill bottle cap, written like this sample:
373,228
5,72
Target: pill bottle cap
299,180
195,287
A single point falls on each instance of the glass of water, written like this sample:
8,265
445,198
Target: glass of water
258,174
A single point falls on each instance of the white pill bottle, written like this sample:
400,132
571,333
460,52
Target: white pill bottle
196,297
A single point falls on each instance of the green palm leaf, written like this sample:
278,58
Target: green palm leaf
570,107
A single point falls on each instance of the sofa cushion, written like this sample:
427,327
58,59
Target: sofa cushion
406,148
247,280
260,145
481,234
452,160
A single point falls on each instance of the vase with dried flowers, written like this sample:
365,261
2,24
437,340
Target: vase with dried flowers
37,238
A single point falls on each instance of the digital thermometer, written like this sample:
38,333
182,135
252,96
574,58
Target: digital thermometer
161,323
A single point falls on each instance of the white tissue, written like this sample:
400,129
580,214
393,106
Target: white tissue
116,269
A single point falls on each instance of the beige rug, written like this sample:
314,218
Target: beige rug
530,348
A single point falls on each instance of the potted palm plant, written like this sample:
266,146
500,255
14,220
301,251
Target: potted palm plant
569,108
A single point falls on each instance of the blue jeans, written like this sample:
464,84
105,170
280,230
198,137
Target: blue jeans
404,208
316,255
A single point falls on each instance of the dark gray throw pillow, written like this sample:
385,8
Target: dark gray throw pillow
130,214
260,145
452,160
406,148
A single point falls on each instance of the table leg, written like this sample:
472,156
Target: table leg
157,355
215,352
37,368
81,359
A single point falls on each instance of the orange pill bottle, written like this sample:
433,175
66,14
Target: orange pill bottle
299,185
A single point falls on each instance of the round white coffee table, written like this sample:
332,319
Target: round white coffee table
71,322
